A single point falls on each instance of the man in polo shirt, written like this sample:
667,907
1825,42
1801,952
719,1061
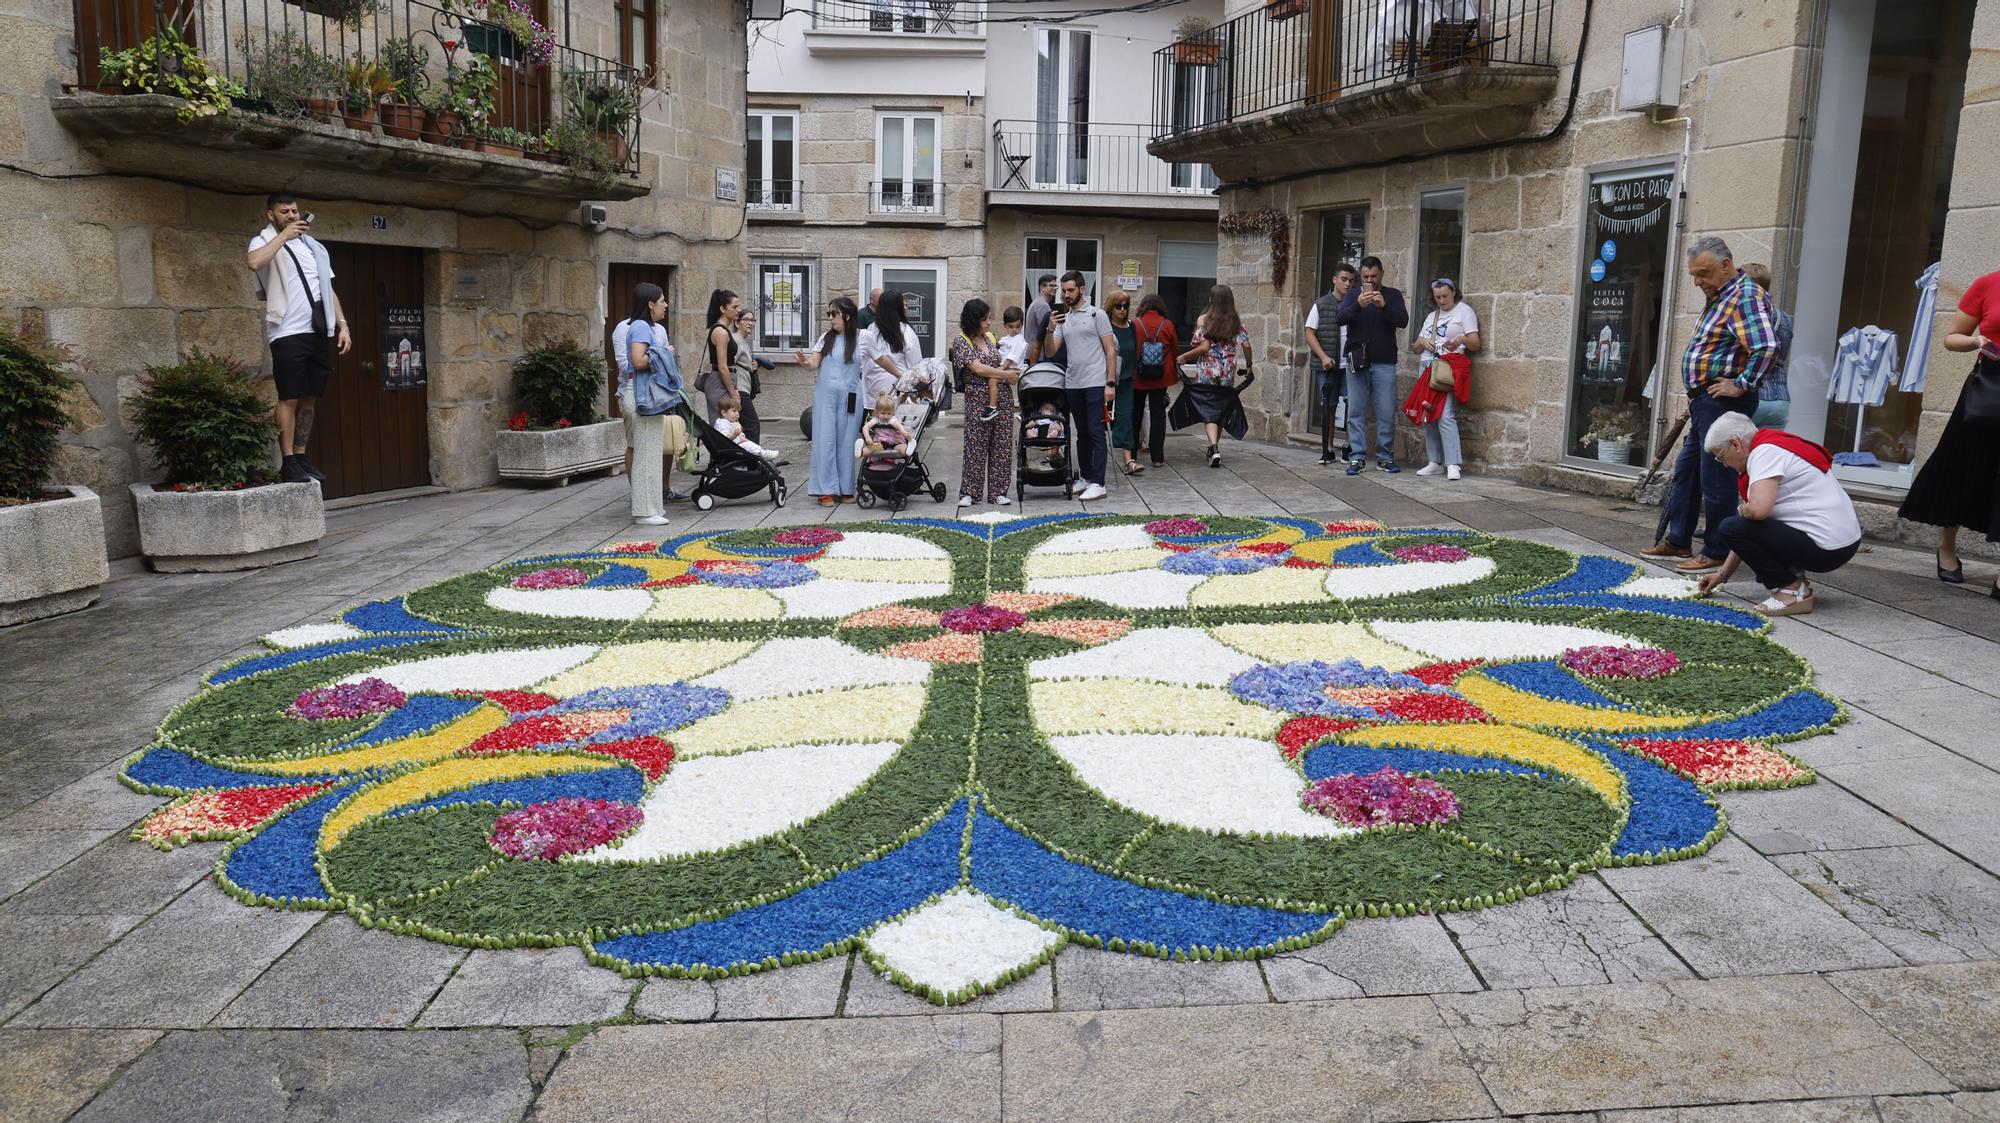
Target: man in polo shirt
301,312
1079,336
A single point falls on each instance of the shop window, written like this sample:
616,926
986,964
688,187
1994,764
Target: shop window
1627,246
786,313
1440,243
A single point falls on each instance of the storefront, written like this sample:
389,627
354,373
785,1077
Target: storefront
1626,268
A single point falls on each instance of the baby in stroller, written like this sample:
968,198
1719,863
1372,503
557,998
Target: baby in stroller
1046,424
729,423
884,437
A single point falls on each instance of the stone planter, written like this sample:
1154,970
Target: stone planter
51,556
213,531
558,454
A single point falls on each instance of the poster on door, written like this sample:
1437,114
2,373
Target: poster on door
402,339
1607,333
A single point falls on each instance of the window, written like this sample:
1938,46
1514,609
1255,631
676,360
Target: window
1197,178
1059,255
923,285
1628,235
1062,107
772,164
638,34
1198,96
786,312
906,155
1440,242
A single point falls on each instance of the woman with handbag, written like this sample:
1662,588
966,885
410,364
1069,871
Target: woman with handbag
651,402
1445,345
1959,485
1222,352
837,407
1159,341
986,474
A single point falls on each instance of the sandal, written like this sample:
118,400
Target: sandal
1132,467
826,501
1801,601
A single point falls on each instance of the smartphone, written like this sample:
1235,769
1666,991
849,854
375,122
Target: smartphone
1990,350
307,218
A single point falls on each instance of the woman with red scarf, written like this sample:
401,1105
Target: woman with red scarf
1794,518
1449,337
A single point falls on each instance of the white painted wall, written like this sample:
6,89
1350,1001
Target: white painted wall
1121,58
780,63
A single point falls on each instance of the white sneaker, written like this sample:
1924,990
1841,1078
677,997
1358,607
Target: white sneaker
1451,473
1002,501
1094,491
1430,469
651,520
965,500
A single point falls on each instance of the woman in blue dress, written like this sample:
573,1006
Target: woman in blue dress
837,407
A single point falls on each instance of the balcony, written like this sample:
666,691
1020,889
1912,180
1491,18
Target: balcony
1096,167
408,103
773,196
1304,85
900,197
949,28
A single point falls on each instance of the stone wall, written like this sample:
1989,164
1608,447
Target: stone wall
131,270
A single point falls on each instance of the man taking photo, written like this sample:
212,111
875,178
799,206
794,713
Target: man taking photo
301,312
1079,336
1372,313
1327,339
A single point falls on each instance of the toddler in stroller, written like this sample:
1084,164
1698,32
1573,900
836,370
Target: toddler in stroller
729,422
737,465
891,450
1044,430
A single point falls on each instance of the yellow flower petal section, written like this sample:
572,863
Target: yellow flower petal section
452,775
1521,708
1323,549
702,551
656,569
440,742
1070,706
1503,741
646,664
1293,643
905,570
713,602
869,713
1084,565
1276,585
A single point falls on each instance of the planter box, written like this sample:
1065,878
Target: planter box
51,556
558,454
214,531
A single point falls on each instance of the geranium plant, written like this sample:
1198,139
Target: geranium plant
205,422
188,77
537,43
558,385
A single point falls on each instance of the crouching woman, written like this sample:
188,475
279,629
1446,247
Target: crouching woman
1794,518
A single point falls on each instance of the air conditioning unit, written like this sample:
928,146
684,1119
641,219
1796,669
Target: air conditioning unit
1651,78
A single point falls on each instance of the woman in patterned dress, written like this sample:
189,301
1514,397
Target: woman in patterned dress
1221,348
988,471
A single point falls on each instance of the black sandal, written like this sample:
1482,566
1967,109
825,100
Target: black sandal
1951,576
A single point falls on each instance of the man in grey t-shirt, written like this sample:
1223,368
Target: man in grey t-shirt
1079,335
1037,325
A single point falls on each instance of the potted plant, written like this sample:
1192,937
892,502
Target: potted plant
403,114
217,509
188,77
51,538
465,100
556,434
505,30
348,12
499,140
585,151
367,85
285,76
1285,9
1193,43
1612,429
604,105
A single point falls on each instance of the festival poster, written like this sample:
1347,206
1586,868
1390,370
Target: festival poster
402,339
1607,332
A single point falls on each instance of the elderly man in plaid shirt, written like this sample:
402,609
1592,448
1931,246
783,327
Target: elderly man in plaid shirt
1734,347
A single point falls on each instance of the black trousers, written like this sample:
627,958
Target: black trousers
1149,421
1086,418
1779,553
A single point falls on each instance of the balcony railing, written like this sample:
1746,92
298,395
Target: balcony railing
437,74
1308,52
909,196
772,194
1090,159
899,17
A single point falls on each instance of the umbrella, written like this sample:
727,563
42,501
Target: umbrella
1659,458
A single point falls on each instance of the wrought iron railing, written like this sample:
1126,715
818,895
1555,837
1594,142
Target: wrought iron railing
1090,158
900,17
1300,52
411,69
772,194
905,196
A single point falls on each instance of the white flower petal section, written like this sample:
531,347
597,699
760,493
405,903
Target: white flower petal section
1277,585
1146,588
959,941
874,544
991,517
1084,565
710,803
713,602
831,597
885,569
1673,587
1296,643
1128,537
646,663
799,666
306,635
1409,577
480,670
1183,655
1493,639
584,604
863,714
1232,784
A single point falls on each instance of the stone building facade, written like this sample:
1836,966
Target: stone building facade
122,232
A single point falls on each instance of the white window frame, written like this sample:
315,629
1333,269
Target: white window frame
871,279
1069,134
761,201
907,199
1093,280
810,301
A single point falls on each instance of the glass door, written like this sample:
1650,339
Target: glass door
1343,239
1059,255
1628,233
922,284
1062,108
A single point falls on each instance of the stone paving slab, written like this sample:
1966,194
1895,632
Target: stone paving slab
1575,936
1950,1014
1090,979
1375,959
47,1074
37,952
344,975
871,995
1949,799
1925,906
1814,817
528,986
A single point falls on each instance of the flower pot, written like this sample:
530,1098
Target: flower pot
496,148
558,454
1614,452
215,531
1284,9
108,89
331,9
1193,53
403,120
446,127
360,120
325,108
493,41
51,555
617,147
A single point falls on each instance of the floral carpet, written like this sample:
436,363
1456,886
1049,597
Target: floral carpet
961,745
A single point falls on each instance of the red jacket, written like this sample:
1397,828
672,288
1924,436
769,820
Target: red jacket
1425,405
1155,327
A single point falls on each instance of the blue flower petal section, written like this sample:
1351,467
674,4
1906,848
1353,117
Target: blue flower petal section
617,577
1659,606
621,785
1335,760
390,616
281,861
1361,553
162,767
1669,812
299,655
1592,575
1545,678
809,920
421,714
1014,868
1795,713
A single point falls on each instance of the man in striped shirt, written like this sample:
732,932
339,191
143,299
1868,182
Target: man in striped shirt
1733,348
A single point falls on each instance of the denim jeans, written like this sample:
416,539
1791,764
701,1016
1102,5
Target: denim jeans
1331,386
1441,436
1086,418
1779,553
1704,487
1372,387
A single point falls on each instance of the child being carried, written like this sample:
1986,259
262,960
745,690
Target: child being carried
728,422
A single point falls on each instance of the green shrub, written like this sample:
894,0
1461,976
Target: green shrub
32,415
559,383
205,422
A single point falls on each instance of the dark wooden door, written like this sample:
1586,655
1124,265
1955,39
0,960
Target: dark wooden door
620,282
367,438
521,96
116,25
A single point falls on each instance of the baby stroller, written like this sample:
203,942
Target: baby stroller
733,473
893,477
1042,384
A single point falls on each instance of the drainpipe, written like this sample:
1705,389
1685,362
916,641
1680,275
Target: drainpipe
1672,291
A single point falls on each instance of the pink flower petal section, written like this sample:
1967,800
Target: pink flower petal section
807,536
1172,528
1601,661
981,618
892,616
1382,798
346,700
1027,602
1430,552
951,647
1086,632
543,832
556,577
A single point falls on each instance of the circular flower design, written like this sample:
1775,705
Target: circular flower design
957,745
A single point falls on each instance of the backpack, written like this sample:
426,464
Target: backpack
1152,354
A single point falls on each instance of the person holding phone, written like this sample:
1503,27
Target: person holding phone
301,312
1372,313
1959,485
1080,337
837,408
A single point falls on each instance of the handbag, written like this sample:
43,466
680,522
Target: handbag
1440,373
1981,396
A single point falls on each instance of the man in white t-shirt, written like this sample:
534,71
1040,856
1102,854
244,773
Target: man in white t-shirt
301,312
1794,518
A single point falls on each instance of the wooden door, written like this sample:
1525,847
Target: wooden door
367,438
623,278
521,97
119,24
1323,46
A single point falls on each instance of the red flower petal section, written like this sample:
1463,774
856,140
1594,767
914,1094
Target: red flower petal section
231,811
515,701
1301,733
1417,705
652,755
1304,563
548,729
1722,761
1442,674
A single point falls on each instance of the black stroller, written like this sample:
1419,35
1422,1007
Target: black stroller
1042,384
732,473
893,477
